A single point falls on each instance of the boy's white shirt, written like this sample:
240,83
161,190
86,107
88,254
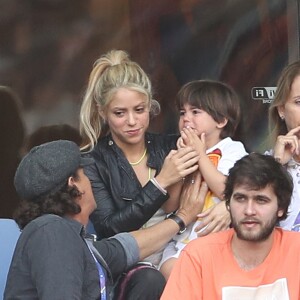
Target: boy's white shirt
233,150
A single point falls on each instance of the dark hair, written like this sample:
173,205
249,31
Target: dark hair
51,133
216,98
257,171
60,203
12,135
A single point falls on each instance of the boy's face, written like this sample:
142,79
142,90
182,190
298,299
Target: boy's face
200,120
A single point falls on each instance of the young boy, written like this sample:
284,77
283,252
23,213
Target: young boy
209,115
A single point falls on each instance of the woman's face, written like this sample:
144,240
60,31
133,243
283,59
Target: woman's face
127,116
291,109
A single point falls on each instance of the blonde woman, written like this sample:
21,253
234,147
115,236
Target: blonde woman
133,168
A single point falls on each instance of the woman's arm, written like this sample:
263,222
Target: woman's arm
112,216
153,238
174,192
125,252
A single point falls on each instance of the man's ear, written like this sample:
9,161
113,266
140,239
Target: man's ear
227,206
280,213
222,124
71,181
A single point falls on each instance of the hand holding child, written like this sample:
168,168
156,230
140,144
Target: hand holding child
216,218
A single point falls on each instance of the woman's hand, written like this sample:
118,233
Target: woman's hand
177,165
216,218
287,145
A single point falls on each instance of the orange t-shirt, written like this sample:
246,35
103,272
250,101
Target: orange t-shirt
206,269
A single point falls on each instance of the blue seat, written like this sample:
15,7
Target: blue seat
9,234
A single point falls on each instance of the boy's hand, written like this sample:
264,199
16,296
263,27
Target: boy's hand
192,138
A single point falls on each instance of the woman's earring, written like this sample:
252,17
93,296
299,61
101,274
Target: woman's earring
282,117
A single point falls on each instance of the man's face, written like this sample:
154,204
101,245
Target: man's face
254,213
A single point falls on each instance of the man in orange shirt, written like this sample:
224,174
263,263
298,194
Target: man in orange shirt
253,260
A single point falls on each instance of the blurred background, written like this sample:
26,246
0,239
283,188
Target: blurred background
48,47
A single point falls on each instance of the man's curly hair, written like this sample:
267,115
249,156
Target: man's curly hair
60,203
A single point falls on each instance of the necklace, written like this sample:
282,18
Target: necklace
139,161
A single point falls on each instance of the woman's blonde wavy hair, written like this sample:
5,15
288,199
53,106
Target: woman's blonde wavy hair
111,72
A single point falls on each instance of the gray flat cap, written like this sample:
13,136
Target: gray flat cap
47,167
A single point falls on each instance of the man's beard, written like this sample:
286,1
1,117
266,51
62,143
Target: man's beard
258,236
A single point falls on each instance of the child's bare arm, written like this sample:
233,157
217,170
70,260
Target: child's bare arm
213,178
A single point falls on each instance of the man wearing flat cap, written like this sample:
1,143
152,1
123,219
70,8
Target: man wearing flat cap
54,258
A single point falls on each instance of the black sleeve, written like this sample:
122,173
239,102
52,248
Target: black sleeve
108,219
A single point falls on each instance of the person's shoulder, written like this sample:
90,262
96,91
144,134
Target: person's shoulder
51,223
45,223
102,150
102,144
217,240
288,236
287,242
46,219
229,143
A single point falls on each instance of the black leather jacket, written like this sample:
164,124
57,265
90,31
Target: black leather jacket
123,204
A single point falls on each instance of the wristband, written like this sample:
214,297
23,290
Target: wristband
179,221
155,182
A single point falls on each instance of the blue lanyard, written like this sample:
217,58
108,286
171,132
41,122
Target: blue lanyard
102,280
101,276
